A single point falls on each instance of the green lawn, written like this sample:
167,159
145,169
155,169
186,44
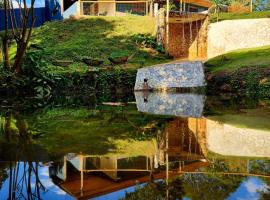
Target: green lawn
255,57
96,37
231,16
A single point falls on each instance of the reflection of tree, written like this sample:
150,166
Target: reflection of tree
21,175
3,174
158,190
265,194
201,186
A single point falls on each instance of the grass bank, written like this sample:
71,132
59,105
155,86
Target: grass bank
98,38
245,71
233,16
234,60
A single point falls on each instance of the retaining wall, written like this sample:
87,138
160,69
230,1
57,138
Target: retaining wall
231,35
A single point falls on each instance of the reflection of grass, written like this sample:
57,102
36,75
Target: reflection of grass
240,58
253,118
93,132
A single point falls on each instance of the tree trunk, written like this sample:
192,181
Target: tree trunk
5,39
19,57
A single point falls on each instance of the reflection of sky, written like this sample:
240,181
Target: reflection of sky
249,189
52,191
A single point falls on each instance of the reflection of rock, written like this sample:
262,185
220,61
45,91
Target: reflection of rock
229,140
174,75
175,104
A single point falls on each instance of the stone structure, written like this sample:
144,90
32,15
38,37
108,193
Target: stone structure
171,75
231,35
174,104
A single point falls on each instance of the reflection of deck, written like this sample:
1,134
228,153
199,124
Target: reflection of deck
94,184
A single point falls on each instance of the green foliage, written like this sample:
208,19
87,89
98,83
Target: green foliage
148,41
108,81
119,54
264,88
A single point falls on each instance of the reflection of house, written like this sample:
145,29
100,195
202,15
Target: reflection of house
186,139
85,176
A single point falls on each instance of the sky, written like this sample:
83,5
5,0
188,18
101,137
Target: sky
38,3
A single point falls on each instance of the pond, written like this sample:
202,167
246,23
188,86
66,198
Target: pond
147,146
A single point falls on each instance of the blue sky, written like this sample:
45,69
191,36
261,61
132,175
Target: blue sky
38,3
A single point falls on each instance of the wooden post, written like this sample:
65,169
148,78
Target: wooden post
251,5
167,25
151,8
146,8
81,168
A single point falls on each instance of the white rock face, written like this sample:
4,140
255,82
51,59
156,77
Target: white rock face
228,140
172,75
174,104
231,35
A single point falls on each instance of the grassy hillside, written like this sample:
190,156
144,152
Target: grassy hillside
96,37
255,57
232,16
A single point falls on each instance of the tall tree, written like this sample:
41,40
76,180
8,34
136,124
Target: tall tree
18,27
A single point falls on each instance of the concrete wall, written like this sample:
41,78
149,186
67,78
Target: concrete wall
237,34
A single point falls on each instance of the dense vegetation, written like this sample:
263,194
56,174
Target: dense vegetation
243,71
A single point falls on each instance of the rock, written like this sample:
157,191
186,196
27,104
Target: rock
264,80
171,75
92,61
119,57
118,60
210,77
62,63
225,88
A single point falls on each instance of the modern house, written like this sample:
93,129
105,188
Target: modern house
125,7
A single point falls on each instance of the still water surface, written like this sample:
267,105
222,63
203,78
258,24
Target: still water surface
158,146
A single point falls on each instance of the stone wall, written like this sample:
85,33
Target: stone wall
171,75
231,35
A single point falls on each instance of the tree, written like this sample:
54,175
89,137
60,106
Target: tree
218,5
1,4
261,5
18,28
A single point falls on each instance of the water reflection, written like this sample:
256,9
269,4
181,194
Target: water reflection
173,104
115,152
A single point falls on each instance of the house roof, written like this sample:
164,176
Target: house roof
203,3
